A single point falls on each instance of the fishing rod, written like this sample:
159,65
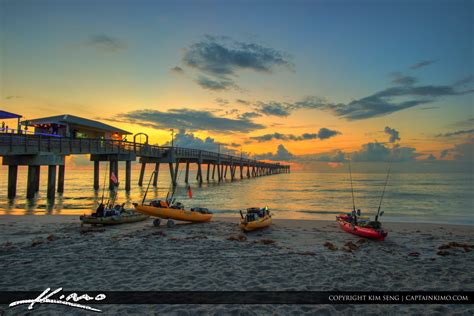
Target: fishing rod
384,186
148,186
352,187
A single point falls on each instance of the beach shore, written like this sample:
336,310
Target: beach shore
37,252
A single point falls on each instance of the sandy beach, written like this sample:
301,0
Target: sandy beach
53,251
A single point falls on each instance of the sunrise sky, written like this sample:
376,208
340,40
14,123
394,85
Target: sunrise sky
282,80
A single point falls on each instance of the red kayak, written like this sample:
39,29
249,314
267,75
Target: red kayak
367,232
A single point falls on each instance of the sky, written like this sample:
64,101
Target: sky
297,81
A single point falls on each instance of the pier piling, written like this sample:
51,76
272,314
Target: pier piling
37,178
199,172
51,181
128,175
61,175
155,176
31,182
186,177
12,180
96,174
142,174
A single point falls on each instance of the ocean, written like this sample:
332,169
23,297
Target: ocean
409,197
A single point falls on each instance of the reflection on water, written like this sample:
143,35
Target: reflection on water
299,195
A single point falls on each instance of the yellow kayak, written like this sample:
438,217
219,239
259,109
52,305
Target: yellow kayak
172,213
257,224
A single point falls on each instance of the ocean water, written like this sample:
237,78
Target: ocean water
414,197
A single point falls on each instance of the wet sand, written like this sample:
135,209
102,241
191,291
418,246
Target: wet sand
53,251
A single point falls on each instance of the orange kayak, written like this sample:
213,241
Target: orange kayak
172,213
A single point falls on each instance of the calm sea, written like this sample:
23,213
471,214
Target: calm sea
442,197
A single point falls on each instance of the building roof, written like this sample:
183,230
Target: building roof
8,115
75,120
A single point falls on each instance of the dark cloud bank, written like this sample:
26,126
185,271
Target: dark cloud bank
405,93
187,119
324,133
384,102
218,61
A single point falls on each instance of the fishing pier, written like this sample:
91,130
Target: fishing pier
36,150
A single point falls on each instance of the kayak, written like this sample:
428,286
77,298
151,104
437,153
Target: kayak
368,232
124,218
172,213
346,217
257,224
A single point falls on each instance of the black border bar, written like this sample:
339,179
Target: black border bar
256,297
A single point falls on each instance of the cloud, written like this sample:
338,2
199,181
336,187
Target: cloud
244,102
221,56
249,115
444,154
399,79
383,103
221,59
378,104
215,85
189,140
231,112
372,152
461,152
221,101
464,81
429,108
324,133
393,133
11,97
268,137
177,70
457,133
431,157
422,63
464,151
106,43
332,156
273,108
187,119
282,154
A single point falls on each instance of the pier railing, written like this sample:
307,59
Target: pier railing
14,144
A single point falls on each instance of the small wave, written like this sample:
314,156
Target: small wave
295,190
77,198
411,195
